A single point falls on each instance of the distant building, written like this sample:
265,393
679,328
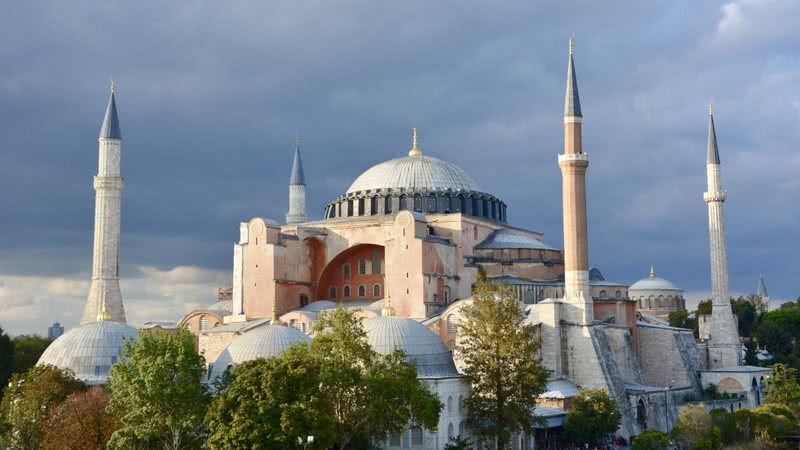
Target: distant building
55,330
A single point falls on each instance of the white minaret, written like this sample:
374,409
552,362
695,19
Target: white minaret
723,345
104,294
297,189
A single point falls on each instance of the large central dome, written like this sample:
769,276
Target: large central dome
414,173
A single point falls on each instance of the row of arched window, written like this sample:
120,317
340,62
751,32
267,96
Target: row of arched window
375,266
476,204
347,293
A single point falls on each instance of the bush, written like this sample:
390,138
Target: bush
651,440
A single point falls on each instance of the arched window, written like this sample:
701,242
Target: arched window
450,404
346,291
362,290
376,262
461,429
350,208
641,414
461,405
603,294
417,203
450,431
446,295
416,435
618,294
360,207
303,300
203,323
346,271
474,207
387,205
403,203
395,440
332,292
376,290
362,266
373,206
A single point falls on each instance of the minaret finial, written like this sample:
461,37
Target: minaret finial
297,139
711,107
652,271
572,101
571,43
387,309
113,86
415,150
103,315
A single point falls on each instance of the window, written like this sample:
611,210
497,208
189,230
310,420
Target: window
450,431
461,409
203,323
603,294
461,429
435,298
362,290
387,207
332,292
395,440
346,271
362,266
373,206
618,294
450,404
446,294
361,207
403,203
376,262
303,300
349,208
376,290
417,203
416,435
346,292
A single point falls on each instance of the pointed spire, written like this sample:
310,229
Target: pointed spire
762,287
297,177
415,150
110,128
713,150
652,271
103,315
572,101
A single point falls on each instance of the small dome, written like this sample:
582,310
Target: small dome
653,283
505,238
389,333
89,350
262,342
414,173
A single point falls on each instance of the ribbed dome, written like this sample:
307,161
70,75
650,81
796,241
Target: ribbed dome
653,283
414,172
263,342
225,306
389,333
89,350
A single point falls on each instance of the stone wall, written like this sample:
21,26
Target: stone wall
668,356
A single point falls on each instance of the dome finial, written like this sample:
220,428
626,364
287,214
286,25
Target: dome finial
652,271
387,309
274,320
415,150
103,315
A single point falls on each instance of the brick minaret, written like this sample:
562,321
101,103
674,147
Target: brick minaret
723,345
104,294
573,163
297,189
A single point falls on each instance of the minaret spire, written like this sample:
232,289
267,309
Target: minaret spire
105,299
297,188
573,163
415,150
723,346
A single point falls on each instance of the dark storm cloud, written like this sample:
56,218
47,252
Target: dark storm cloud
211,95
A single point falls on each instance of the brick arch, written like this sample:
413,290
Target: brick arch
729,384
332,276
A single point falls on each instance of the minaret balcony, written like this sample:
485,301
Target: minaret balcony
718,196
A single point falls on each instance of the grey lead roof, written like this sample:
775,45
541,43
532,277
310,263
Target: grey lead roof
504,238
110,128
572,101
414,173
713,150
297,177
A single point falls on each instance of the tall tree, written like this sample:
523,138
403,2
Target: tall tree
783,387
695,429
28,400
6,360
82,414
651,440
746,315
27,350
156,392
593,415
704,307
500,357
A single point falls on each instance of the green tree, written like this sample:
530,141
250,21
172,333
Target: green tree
500,357
695,430
650,440
27,403
750,354
783,387
458,443
6,360
746,315
726,424
592,416
678,319
775,338
704,307
27,350
773,421
156,392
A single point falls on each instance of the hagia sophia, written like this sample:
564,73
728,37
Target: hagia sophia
402,247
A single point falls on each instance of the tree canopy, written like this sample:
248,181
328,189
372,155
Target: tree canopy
156,392
6,360
695,430
651,440
592,416
82,414
27,350
783,387
500,357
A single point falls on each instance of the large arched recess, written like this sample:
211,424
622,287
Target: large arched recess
334,275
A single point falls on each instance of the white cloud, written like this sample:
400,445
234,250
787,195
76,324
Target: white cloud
31,303
750,23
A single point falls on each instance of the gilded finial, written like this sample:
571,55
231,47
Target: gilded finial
103,315
652,271
113,86
571,43
387,309
274,320
711,108
415,150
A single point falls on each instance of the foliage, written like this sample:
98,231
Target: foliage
726,424
695,430
28,400
458,443
651,440
336,389
500,357
156,392
82,414
746,314
6,360
704,307
783,387
681,319
27,350
773,422
592,416
750,354
745,422
777,329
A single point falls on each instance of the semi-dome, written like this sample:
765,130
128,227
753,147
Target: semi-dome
414,173
389,333
89,350
262,342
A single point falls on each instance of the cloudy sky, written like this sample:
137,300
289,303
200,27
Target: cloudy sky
211,96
